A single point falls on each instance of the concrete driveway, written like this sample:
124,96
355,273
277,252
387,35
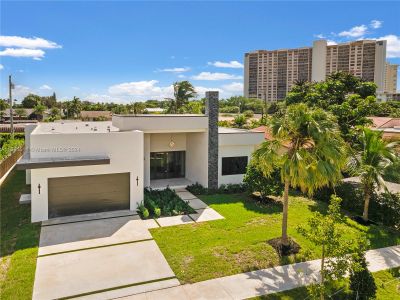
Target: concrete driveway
99,259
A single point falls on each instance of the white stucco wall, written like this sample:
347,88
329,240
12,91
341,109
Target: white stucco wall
159,142
125,150
233,151
197,157
28,130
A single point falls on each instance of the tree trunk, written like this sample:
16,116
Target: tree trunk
322,290
367,196
285,240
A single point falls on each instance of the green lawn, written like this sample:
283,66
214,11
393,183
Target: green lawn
19,241
237,244
387,283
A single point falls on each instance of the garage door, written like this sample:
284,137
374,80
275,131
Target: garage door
88,194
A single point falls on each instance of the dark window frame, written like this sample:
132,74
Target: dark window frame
234,165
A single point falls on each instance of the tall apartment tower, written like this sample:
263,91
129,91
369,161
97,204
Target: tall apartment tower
269,75
391,78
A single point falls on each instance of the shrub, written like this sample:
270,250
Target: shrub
230,109
239,121
266,186
384,207
232,188
197,189
224,123
143,211
248,113
392,173
9,147
165,203
362,283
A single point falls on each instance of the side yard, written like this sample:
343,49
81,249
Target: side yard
237,244
19,241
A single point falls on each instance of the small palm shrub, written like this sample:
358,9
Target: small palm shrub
232,188
143,211
248,113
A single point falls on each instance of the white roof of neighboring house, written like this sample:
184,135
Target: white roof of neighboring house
74,127
154,109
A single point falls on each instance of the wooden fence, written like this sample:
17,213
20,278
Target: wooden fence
7,163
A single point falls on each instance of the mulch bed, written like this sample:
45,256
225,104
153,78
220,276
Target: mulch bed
284,250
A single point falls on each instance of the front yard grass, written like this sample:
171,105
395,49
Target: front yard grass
19,240
237,244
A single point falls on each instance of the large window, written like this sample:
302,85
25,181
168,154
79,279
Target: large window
234,165
164,165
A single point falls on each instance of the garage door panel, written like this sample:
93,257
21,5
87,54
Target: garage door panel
88,194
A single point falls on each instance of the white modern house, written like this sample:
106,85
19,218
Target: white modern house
87,167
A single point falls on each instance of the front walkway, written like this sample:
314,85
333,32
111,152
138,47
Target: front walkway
267,281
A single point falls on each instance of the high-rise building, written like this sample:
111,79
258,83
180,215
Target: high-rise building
391,78
269,75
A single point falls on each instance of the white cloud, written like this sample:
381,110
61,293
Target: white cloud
141,90
175,70
233,87
231,64
45,87
392,46
355,32
1,67
331,42
215,76
36,54
320,36
76,88
104,98
375,24
21,91
181,76
30,43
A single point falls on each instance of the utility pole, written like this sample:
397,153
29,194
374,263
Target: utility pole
10,87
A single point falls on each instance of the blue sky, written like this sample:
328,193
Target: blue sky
126,51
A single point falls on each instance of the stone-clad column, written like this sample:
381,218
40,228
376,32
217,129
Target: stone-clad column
212,106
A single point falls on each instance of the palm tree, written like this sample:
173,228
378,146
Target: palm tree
375,155
183,91
39,110
75,107
314,157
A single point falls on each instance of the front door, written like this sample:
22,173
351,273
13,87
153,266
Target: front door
164,165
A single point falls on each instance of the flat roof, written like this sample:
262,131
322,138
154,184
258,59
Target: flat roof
26,162
228,130
75,127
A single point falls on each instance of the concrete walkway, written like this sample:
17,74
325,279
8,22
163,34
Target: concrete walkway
267,281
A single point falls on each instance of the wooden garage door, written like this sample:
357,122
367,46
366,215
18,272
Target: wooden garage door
88,194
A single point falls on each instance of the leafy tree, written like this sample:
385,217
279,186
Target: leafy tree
349,98
55,113
183,92
362,283
372,158
3,104
39,110
31,101
73,107
49,101
20,112
266,186
314,157
138,108
326,232
194,107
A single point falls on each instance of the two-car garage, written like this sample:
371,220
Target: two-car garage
88,194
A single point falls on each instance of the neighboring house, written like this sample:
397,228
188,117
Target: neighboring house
95,115
87,167
389,126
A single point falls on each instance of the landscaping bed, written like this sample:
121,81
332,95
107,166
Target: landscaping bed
161,203
238,243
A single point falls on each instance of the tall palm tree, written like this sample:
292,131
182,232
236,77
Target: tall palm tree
39,110
314,157
374,155
183,91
